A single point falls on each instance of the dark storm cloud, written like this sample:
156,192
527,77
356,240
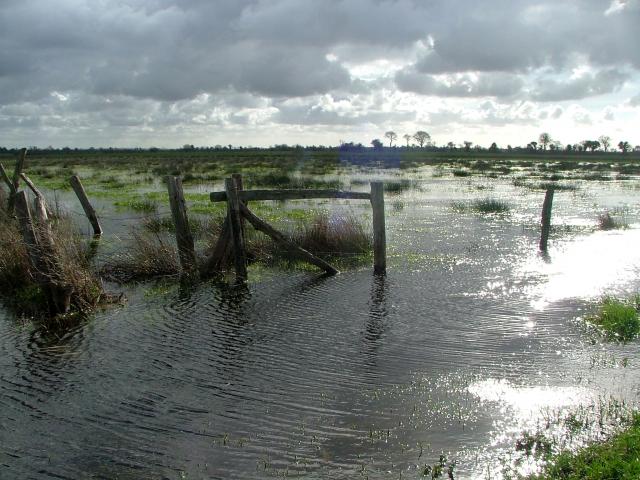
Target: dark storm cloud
170,50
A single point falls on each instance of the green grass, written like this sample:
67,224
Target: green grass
615,459
138,205
618,319
484,206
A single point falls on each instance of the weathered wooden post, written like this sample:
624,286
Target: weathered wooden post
184,238
76,184
233,211
39,200
42,255
14,184
23,213
546,219
379,235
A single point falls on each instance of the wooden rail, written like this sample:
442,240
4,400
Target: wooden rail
292,194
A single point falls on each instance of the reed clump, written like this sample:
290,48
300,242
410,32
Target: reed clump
148,255
62,284
606,221
335,235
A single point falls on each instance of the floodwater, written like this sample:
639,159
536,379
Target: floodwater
471,338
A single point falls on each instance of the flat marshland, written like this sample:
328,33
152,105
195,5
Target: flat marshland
474,357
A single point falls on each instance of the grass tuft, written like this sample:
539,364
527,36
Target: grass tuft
146,256
618,319
606,221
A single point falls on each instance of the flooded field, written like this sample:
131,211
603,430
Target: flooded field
471,339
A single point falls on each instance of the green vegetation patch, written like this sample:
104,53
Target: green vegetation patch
484,206
616,459
618,319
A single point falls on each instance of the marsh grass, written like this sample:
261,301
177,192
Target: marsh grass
607,221
145,256
483,206
617,319
461,173
615,458
333,235
69,266
398,186
145,205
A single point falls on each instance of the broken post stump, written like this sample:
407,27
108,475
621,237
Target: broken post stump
546,219
89,211
379,234
184,238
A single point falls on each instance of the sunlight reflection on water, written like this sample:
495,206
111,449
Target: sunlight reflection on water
587,267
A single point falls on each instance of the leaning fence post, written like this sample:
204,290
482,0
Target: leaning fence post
23,213
76,184
546,219
14,184
233,213
184,239
379,235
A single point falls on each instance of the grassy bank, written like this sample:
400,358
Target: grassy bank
615,459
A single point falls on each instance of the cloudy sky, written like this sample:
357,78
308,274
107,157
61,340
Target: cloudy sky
260,72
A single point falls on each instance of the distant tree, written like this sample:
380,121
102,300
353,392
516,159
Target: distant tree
509,148
391,135
407,137
451,146
467,145
624,146
533,146
493,147
421,137
377,144
544,139
605,141
569,147
592,145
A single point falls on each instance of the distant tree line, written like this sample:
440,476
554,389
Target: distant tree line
418,140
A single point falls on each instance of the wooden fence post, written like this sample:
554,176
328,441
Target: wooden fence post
14,184
233,210
23,213
76,184
184,239
546,219
42,255
379,235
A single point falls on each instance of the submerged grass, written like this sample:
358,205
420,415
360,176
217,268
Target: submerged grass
618,319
